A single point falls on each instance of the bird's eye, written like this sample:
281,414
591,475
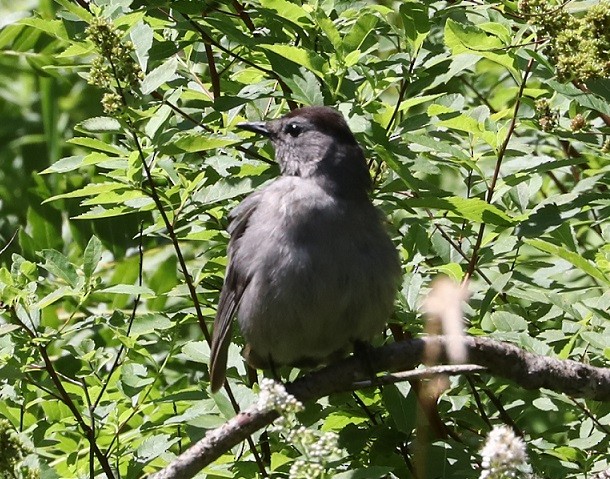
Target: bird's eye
293,129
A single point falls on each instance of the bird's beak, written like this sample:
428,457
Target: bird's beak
259,127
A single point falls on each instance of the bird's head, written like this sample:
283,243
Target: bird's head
316,142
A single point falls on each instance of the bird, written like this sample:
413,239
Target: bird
311,268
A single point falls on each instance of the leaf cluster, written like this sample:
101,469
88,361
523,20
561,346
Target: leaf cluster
489,162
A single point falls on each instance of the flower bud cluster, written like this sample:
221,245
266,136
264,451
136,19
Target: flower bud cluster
578,123
547,118
317,449
116,62
578,46
12,452
273,395
504,455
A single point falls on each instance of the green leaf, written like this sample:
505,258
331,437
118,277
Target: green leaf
544,404
193,141
416,23
135,198
8,328
198,351
58,265
54,28
306,58
452,270
584,99
69,163
223,190
91,257
463,122
149,323
364,26
99,212
461,38
89,190
135,375
433,144
160,75
288,11
100,124
95,144
330,30
76,50
305,88
142,37
78,11
473,209
75,162
401,408
418,100
577,260
154,446
505,321
52,297
130,289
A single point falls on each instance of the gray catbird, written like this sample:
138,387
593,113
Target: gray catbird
311,268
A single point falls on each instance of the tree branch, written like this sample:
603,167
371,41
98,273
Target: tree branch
528,370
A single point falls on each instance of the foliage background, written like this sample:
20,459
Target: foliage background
486,127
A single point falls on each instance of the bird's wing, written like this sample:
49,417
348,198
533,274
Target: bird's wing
232,290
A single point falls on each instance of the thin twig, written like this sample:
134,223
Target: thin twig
500,157
364,407
477,400
429,372
67,400
503,413
8,243
403,89
587,413
64,396
481,97
83,383
132,316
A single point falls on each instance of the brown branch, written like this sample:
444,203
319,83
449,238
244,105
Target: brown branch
209,40
84,4
239,8
528,370
214,77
